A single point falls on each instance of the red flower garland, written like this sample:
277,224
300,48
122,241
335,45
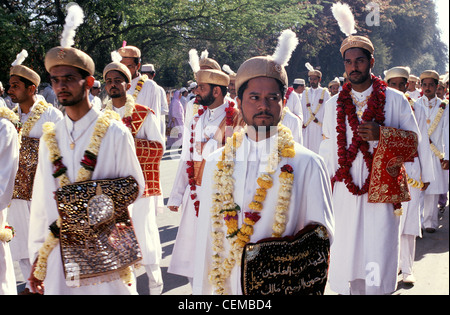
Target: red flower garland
346,108
190,164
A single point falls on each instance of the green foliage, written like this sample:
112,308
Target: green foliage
231,30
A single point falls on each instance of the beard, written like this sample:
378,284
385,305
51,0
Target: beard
76,99
115,93
361,79
207,101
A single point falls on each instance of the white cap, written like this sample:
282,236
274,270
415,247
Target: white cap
299,81
97,84
193,85
148,68
183,89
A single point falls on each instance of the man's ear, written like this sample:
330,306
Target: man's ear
32,89
90,82
239,103
372,63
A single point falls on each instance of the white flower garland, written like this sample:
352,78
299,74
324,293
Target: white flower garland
139,86
129,106
433,127
35,115
224,209
8,114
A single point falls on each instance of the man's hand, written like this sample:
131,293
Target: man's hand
444,164
369,131
173,208
425,186
37,286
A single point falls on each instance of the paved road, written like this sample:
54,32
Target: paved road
431,267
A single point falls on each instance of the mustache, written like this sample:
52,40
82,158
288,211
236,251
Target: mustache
263,113
356,72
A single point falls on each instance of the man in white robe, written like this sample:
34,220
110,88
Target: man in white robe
313,107
293,102
206,133
364,255
413,92
149,70
9,160
23,86
117,78
260,99
145,91
71,73
437,118
420,175
294,123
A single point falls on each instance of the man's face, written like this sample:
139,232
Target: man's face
205,95
68,85
116,86
399,84
261,103
300,89
314,81
429,88
95,91
232,88
18,92
440,92
334,89
357,66
411,86
131,65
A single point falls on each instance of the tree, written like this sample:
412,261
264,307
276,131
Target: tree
231,30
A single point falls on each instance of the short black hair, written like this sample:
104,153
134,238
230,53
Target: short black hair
244,86
27,82
223,89
84,74
404,79
295,86
367,53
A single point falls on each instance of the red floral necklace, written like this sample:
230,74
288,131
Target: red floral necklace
230,110
346,108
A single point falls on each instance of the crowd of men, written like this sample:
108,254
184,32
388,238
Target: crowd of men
365,158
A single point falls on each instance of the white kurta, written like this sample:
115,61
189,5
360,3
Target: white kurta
143,210
294,123
366,244
150,95
415,95
116,159
295,105
9,160
19,214
312,134
182,262
440,184
420,169
310,202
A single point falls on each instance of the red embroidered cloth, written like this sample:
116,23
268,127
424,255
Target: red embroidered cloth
389,182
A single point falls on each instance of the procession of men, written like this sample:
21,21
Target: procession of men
284,185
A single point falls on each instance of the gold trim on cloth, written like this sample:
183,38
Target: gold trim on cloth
97,236
293,265
389,181
28,160
149,154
